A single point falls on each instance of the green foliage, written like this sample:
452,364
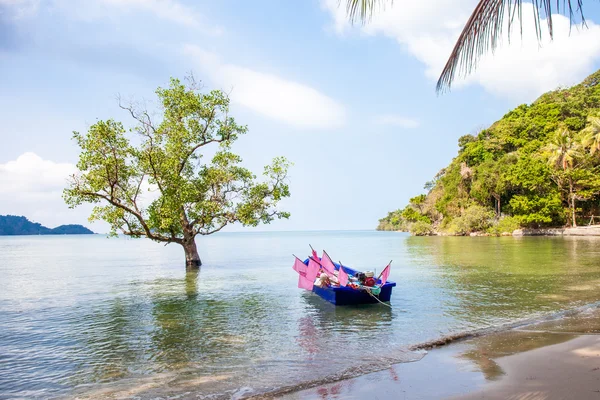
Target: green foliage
476,153
528,174
535,211
463,141
393,222
504,225
537,166
412,215
421,228
401,220
156,179
418,200
473,219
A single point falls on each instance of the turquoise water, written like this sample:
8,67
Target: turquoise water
94,317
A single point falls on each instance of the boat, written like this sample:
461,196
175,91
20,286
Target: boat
343,296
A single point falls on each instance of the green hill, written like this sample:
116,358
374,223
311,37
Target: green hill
15,225
538,166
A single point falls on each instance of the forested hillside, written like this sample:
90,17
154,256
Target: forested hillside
17,225
538,166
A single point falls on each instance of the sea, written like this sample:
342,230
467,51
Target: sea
96,317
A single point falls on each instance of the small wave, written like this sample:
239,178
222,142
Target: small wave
420,350
520,323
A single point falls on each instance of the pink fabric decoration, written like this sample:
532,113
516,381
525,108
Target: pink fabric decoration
304,282
384,275
313,269
327,264
299,266
342,277
315,256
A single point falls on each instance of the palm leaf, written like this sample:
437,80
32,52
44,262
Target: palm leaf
484,28
591,134
362,10
563,149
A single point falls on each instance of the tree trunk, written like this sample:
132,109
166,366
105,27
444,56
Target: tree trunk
497,205
192,259
574,224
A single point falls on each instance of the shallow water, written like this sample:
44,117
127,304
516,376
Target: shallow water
97,317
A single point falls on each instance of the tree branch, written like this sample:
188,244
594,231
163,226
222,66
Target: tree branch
203,143
137,191
147,232
223,225
147,122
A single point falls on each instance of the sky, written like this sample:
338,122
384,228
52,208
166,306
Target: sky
353,106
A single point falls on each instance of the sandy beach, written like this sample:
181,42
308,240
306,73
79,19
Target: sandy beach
557,359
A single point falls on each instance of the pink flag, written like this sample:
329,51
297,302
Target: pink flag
342,276
304,282
384,275
314,254
313,269
299,266
327,264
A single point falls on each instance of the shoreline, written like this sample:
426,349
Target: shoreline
579,231
564,370
576,231
430,347
553,358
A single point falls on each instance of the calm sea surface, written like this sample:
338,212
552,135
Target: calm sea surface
88,316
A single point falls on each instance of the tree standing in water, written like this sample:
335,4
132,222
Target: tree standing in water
192,197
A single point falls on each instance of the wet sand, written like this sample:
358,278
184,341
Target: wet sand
569,370
557,359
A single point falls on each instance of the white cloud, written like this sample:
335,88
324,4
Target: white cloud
32,186
270,95
521,70
29,173
396,120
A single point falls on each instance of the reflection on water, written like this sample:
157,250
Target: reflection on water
357,319
484,350
121,317
511,277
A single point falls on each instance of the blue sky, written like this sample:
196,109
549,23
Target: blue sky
353,107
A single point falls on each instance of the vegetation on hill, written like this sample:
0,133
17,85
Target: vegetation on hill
538,166
15,225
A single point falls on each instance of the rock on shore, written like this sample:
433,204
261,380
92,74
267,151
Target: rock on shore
578,231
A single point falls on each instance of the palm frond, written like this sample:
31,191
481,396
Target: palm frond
362,10
591,134
485,27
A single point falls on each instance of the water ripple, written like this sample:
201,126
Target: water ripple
121,318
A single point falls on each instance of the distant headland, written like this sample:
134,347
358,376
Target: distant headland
535,171
18,225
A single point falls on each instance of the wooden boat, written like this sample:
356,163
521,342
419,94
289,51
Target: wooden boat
342,296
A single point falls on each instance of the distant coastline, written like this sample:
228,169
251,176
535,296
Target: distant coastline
561,231
13,225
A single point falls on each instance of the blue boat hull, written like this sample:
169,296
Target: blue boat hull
344,296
